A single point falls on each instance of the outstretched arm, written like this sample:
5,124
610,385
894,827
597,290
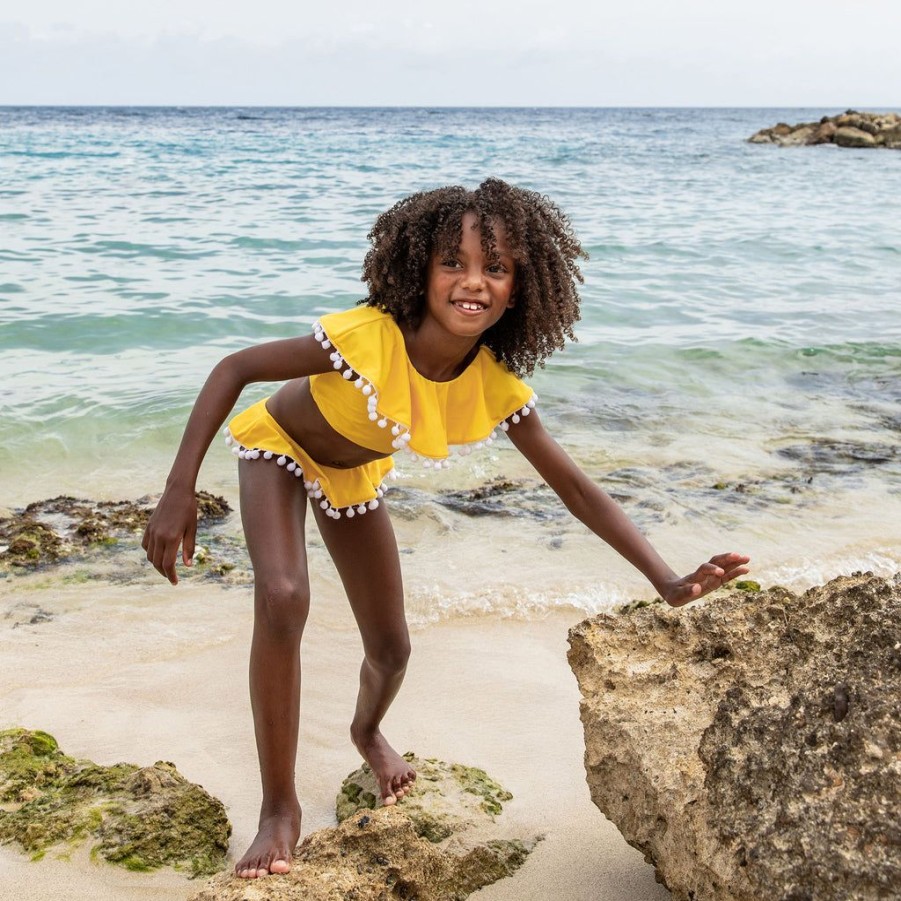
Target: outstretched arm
594,507
174,522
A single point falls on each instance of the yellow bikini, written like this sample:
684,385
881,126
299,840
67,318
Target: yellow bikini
377,399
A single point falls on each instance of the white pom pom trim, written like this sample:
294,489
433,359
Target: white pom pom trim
313,488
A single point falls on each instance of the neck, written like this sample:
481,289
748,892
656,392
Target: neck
438,356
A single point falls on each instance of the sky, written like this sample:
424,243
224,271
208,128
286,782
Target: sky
786,53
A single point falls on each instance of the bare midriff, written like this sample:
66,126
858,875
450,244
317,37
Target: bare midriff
295,410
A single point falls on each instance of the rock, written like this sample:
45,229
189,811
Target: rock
440,843
751,746
849,129
892,137
848,136
824,133
138,817
61,528
447,798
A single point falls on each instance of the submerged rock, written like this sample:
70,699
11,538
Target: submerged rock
440,843
141,818
751,747
850,129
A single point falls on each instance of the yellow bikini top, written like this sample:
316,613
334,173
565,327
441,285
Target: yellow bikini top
377,399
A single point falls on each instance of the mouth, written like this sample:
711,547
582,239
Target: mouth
470,306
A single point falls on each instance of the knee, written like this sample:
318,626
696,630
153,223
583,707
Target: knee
281,605
390,655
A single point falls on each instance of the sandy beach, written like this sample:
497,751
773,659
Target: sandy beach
141,672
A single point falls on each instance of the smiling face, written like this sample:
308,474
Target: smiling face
467,292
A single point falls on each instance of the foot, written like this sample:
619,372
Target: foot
271,851
393,774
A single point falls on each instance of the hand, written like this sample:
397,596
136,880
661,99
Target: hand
706,578
173,523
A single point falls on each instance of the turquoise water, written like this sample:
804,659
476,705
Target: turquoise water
742,304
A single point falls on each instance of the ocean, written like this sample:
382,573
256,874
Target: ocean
736,383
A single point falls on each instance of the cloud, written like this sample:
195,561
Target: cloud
616,58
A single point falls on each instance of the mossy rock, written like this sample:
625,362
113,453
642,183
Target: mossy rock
445,799
141,818
376,855
744,585
623,609
56,529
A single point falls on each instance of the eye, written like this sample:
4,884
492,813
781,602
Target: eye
497,269
451,262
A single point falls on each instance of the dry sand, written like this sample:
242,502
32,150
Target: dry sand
143,672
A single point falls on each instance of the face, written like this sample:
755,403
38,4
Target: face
466,292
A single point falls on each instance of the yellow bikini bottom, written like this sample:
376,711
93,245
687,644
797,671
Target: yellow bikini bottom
254,434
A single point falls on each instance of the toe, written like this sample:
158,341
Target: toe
280,866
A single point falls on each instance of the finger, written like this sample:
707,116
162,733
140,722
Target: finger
168,564
734,573
157,558
726,561
187,550
707,573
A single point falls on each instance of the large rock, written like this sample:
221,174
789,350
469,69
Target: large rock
853,137
440,843
751,746
850,129
138,817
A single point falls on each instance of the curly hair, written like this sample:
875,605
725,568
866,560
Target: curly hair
539,237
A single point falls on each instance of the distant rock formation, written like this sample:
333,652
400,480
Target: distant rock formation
850,129
751,746
138,817
440,843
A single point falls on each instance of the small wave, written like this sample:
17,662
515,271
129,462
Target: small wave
61,154
130,249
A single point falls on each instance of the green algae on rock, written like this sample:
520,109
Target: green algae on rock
440,842
54,530
376,855
141,818
445,798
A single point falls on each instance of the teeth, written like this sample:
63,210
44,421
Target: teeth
470,306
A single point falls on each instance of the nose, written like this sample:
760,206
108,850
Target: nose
473,278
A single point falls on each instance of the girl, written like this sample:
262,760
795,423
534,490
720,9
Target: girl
467,289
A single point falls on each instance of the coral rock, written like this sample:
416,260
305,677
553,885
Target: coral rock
439,843
751,746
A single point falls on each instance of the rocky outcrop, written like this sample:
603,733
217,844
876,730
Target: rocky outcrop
138,817
64,528
751,746
440,843
850,129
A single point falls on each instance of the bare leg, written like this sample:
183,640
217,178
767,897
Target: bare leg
365,553
273,509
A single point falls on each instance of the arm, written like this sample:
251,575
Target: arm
174,522
604,517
